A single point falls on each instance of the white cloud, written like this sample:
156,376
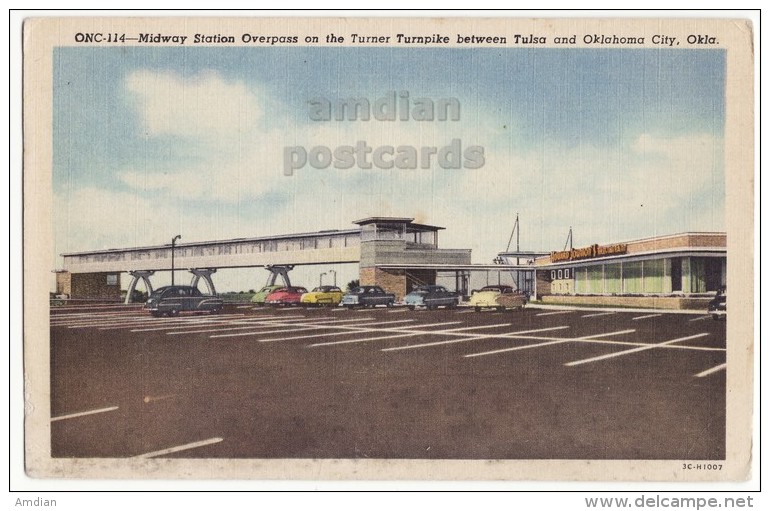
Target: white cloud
645,187
204,107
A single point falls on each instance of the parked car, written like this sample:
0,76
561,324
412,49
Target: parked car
368,296
261,295
486,297
515,300
718,306
285,296
431,297
171,300
323,295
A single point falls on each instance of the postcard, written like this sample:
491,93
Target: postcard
319,248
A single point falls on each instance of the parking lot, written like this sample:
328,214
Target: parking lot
387,383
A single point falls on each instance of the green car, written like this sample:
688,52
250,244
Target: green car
259,298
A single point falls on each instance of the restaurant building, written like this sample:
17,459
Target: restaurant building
676,271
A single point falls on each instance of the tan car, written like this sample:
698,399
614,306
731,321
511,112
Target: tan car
514,301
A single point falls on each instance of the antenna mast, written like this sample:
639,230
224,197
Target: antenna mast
569,239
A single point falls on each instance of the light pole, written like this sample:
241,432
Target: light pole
335,276
321,279
173,246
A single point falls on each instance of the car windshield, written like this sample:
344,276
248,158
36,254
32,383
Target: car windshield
358,291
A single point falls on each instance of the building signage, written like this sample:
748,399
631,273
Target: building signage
589,252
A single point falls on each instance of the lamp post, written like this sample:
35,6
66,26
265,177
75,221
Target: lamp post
335,276
173,246
321,279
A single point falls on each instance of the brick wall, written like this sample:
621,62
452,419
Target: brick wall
642,302
91,285
392,281
681,241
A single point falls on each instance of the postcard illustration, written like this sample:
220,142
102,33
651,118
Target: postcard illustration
378,248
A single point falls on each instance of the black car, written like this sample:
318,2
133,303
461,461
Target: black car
430,297
368,296
718,306
171,300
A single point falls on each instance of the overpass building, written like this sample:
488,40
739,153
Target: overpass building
375,242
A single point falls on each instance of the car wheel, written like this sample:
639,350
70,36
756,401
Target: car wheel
349,307
389,304
173,312
155,314
216,310
477,309
500,309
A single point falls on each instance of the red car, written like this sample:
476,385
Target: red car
285,296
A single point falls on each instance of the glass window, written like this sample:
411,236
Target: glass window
612,281
653,276
581,281
697,275
632,277
595,279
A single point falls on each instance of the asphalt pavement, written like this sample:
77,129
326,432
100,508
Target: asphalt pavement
388,383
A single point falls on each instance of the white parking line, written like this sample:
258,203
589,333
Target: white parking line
409,333
548,343
397,310
598,314
315,336
178,448
298,327
352,341
95,319
707,372
473,338
465,311
189,320
647,316
187,324
555,312
111,322
634,350
252,325
81,414
701,318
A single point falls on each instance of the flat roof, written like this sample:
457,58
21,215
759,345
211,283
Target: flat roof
668,252
398,220
457,267
328,232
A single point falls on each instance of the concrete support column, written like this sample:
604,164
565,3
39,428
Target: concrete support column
205,274
135,277
279,270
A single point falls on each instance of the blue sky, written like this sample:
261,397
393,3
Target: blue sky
619,144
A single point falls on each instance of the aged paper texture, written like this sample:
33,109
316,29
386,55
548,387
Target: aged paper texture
593,176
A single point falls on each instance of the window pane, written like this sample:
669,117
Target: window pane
653,276
632,277
612,281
